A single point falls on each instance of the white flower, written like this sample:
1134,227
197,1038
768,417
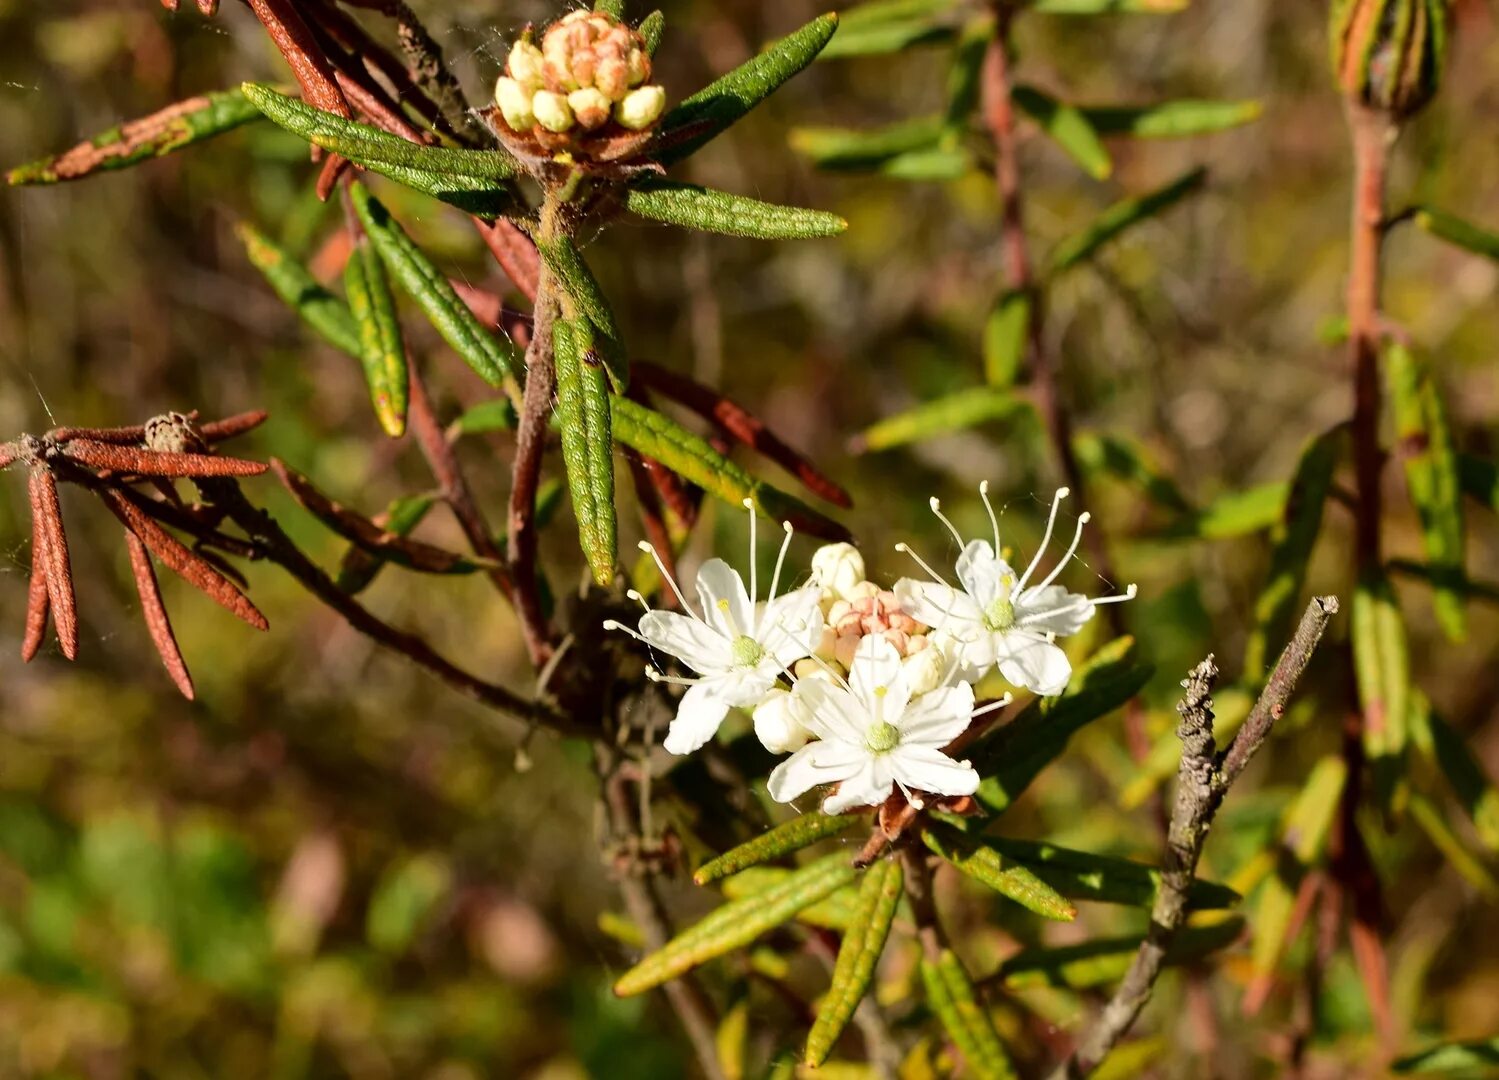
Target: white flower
838,568
738,648
998,617
873,735
778,723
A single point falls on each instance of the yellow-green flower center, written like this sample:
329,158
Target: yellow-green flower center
746,651
881,737
1000,615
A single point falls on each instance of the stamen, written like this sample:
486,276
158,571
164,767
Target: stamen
828,669
614,624
1056,501
1118,598
916,804
906,549
989,708
749,504
936,505
649,548
670,680
994,521
775,578
635,595
1077,538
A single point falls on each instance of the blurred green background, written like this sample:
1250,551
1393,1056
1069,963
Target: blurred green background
330,865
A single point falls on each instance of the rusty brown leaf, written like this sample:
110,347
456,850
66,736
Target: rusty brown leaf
46,509
155,614
38,605
515,253
232,426
291,35
129,459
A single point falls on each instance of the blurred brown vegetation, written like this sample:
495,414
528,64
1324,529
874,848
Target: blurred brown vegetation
329,865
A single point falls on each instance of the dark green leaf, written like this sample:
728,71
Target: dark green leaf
1458,232
853,971
297,288
150,137
844,150
725,101
1104,879
1107,454
1434,824
359,567
382,350
1171,119
1477,1058
950,994
1068,127
1120,217
1472,785
491,358
1108,7
965,70
650,28
1102,961
1382,663
789,836
611,7
585,300
587,444
497,414
983,863
732,215
1235,513
833,912
889,26
943,416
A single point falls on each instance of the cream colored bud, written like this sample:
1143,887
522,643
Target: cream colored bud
923,669
590,106
845,647
612,77
641,108
552,111
524,65
777,724
514,101
825,643
838,568
640,66
864,590
807,668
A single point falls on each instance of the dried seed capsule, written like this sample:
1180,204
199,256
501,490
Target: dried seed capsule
1388,54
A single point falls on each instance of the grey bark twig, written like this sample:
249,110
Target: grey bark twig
1203,779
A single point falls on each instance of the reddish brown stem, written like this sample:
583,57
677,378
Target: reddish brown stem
46,509
155,614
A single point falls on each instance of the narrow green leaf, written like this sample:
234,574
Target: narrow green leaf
785,838
587,444
150,137
714,211
1120,217
1469,781
964,72
651,28
1469,1058
1108,7
937,163
738,923
834,911
1014,755
879,893
1434,824
359,567
1102,961
1234,514
725,101
842,149
1458,232
1171,119
1431,476
1068,127
1294,540
1382,664
965,409
491,358
497,414
404,901
611,7
587,301
297,288
382,350
882,28
1479,479
658,436
950,995
983,863
473,180
1082,875
1006,332
1125,460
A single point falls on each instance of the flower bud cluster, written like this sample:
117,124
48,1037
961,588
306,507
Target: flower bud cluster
590,69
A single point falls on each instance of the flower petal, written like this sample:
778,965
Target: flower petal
937,718
1034,663
690,640
940,606
726,605
983,573
699,713
790,625
870,786
1053,610
830,711
814,764
878,680
927,769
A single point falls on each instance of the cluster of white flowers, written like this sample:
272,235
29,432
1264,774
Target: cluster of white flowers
590,68
865,687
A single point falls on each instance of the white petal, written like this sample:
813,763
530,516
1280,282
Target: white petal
1053,610
814,764
830,711
746,687
699,713
937,718
982,572
689,640
973,657
791,625
726,605
926,769
1034,663
878,680
939,606
870,786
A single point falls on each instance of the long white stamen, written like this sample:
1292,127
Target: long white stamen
635,595
828,669
1119,598
916,803
749,504
613,624
650,549
1077,538
1056,501
936,505
670,680
775,577
994,521
906,549
989,708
